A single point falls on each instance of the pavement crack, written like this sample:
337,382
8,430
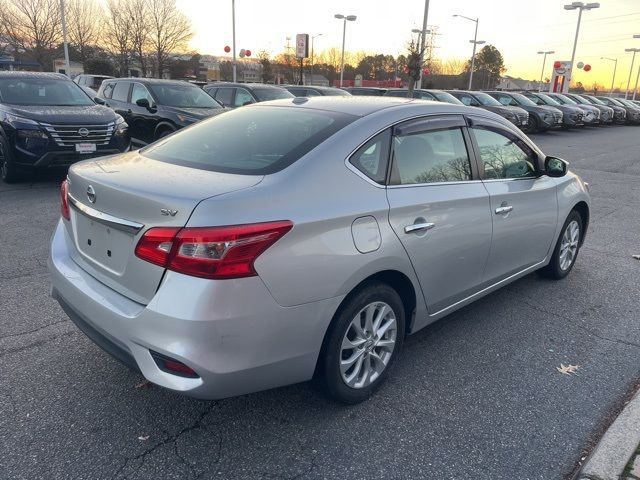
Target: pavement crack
19,334
36,344
571,321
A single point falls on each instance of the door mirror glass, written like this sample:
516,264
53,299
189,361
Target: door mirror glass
143,102
555,167
98,100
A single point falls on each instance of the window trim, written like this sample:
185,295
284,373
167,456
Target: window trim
482,121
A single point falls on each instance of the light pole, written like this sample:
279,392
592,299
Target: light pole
475,42
615,67
422,39
233,27
350,18
544,61
635,89
67,66
633,59
312,37
580,6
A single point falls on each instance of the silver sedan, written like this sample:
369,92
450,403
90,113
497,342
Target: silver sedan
305,238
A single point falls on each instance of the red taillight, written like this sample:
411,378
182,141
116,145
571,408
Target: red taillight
64,200
210,252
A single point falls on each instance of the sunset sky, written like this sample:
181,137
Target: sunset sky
518,28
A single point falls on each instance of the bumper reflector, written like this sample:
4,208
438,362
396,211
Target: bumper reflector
173,366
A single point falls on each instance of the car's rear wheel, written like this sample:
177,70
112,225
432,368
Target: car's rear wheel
8,170
364,341
567,248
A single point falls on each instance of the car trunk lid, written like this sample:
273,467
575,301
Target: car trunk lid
115,200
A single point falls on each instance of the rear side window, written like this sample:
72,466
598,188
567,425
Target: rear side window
251,141
430,157
108,90
121,91
372,158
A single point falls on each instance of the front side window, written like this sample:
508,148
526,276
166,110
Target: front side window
139,92
430,157
504,155
252,141
372,158
243,98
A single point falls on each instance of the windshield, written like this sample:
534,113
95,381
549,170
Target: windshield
487,100
595,100
265,94
626,103
581,100
253,140
445,97
42,91
522,100
564,99
182,96
547,99
616,101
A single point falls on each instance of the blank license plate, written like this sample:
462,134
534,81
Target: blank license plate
85,147
108,247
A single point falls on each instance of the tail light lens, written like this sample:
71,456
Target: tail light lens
64,200
211,252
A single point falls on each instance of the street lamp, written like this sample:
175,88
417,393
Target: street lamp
615,67
350,18
475,42
421,48
67,66
635,89
580,6
233,28
633,59
312,37
544,61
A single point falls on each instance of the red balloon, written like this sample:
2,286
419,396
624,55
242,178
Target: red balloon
227,49
586,68
426,71
247,53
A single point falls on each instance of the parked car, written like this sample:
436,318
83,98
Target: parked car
91,81
156,108
46,120
423,94
233,95
591,114
516,115
236,271
368,91
571,115
90,92
443,96
541,117
606,113
314,91
631,109
619,112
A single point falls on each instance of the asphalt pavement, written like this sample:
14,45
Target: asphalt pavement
476,395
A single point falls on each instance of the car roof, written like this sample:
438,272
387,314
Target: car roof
246,85
20,74
152,81
360,105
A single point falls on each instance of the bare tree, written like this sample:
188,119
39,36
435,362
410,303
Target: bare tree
169,31
32,26
137,12
84,20
117,35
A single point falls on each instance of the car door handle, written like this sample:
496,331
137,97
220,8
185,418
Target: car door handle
417,227
504,209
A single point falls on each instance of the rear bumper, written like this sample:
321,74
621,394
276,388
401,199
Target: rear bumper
231,333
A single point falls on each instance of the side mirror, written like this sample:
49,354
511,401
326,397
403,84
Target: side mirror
98,100
555,167
143,102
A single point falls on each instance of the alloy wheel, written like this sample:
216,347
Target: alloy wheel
569,245
368,344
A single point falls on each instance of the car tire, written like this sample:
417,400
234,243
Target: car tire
8,170
164,132
567,248
534,124
357,360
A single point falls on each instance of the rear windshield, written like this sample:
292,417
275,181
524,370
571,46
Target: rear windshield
252,140
182,96
265,94
42,91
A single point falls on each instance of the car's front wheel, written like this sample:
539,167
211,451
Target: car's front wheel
8,170
364,341
567,248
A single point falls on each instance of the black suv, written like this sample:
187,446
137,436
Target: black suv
46,120
516,115
368,91
156,108
541,117
234,95
91,81
313,91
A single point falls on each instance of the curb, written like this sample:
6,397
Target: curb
616,447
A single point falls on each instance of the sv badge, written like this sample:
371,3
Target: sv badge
167,212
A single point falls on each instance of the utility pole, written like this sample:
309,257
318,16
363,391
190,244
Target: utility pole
67,66
233,22
422,39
